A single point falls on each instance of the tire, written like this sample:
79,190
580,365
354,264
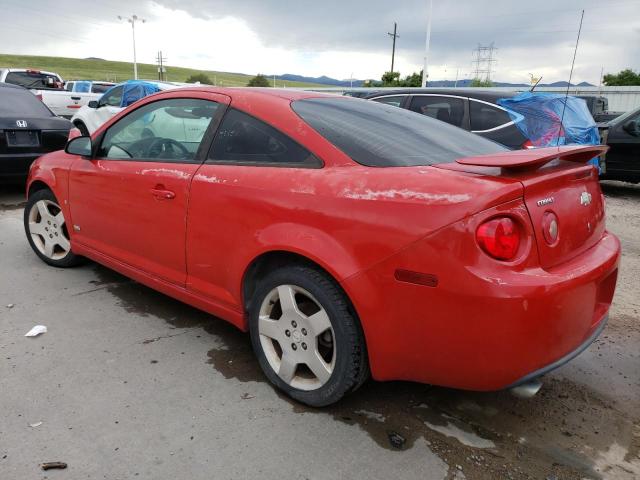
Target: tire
47,232
83,129
329,357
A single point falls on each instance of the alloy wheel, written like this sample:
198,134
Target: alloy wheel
297,337
48,229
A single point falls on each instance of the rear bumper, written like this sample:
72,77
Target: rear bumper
485,326
16,165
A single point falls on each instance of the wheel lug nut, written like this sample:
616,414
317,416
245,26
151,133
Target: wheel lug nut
304,346
294,346
294,324
304,331
287,333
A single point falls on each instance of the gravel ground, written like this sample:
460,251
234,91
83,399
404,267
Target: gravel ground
129,383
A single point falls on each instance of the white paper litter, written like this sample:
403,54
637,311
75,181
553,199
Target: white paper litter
35,331
37,424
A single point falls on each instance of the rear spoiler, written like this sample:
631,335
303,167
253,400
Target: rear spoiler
535,157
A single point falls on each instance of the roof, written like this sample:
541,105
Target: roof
11,85
284,93
487,95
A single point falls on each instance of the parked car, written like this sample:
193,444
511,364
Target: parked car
28,129
31,78
476,111
622,135
599,108
346,236
96,112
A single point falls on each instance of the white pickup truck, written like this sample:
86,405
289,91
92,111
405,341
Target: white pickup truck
49,87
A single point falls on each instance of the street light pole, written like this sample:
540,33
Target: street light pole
425,74
132,20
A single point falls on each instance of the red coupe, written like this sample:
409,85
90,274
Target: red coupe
348,237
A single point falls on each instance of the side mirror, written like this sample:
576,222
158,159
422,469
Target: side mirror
79,146
93,104
631,127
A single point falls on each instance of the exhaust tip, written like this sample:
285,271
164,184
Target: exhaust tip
526,390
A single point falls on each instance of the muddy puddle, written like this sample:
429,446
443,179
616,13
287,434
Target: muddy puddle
566,432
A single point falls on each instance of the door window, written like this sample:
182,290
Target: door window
395,100
445,109
486,117
113,97
244,139
166,130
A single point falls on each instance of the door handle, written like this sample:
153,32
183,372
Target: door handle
161,194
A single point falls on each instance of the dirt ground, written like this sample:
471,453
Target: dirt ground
584,423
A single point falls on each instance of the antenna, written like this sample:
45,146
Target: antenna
566,96
536,84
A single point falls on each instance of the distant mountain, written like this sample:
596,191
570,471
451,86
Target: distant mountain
332,82
95,58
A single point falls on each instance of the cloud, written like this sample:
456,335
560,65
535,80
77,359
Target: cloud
338,38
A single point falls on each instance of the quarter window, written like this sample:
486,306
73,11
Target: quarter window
242,138
167,130
445,109
395,100
485,117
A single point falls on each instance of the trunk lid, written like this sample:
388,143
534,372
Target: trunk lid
32,135
554,180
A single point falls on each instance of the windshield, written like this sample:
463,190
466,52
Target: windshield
21,103
379,135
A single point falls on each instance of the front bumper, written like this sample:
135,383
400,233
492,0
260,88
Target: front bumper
485,326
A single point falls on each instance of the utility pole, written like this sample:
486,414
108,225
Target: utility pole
393,51
160,60
425,73
132,20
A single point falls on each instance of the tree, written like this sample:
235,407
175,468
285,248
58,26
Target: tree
390,79
258,81
626,77
476,82
199,77
413,80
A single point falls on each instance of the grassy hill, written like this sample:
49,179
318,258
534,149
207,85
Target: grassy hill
96,69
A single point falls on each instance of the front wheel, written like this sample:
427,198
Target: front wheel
47,230
307,341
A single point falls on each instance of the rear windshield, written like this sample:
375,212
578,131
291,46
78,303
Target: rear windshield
21,103
379,135
32,79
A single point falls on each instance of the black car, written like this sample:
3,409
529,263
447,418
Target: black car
622,135
476,111
28,129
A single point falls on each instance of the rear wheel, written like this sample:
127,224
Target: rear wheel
47,230
306,339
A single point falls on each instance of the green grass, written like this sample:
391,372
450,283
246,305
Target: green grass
82,69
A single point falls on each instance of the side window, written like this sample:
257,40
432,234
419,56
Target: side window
69,87
445,109
395,100
113,97
164,130
242,138
485,117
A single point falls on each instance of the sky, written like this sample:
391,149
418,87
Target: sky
340,39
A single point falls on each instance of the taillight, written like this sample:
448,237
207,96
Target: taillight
528,144
39,96
499,237
550,227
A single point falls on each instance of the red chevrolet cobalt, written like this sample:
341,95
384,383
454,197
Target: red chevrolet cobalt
348,237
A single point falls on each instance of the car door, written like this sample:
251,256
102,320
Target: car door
233,198
446,108
623,158
129,202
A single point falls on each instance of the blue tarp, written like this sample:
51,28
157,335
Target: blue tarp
134,90
537,116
